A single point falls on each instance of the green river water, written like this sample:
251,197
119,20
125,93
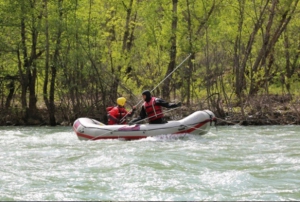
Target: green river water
229,163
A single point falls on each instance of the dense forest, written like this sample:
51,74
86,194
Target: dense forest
63,59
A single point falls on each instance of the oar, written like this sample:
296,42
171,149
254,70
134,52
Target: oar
159,83
167,76
156,115
122,119
172,72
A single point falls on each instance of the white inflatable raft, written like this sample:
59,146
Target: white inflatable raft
197,123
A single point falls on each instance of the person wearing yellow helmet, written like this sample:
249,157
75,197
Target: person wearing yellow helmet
118,114
121,101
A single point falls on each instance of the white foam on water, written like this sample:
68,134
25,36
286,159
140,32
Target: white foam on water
230,163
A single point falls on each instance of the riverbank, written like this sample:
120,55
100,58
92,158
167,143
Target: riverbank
263,110
267,110
260,110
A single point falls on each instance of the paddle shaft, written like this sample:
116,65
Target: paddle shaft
122,119
167,76
156,115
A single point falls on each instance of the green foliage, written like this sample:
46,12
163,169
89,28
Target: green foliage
98,44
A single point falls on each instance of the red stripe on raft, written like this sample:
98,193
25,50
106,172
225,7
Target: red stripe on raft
84,135
195,127
125,138
110,137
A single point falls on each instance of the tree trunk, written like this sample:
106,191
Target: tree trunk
238,69
11,87
127,43
270,39
192,58
290,67
23,77
28,80
50,101
173,52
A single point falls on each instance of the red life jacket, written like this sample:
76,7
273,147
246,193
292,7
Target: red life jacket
153,111
109,108
117,112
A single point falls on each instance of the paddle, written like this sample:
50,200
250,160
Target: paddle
167,76
154,115
124,117
122,120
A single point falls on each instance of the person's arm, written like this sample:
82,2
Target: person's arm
131,112
143,113
140,117
127,114
113,114
163,103
109,116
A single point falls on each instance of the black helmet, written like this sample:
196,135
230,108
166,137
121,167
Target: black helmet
148,95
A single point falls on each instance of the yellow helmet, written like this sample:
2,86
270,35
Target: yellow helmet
121,101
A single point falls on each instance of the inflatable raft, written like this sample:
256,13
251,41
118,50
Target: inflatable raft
197,123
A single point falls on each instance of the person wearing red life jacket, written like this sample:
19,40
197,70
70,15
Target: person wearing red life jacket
118,114
152,109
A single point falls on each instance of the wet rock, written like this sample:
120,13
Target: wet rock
64,123
9,123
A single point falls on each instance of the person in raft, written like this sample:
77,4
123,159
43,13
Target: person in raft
152,109
118,114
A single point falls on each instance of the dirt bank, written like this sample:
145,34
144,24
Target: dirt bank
261,110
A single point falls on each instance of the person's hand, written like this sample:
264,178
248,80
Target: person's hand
133,109
179,104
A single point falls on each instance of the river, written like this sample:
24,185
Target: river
229,163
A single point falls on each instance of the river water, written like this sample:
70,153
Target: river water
228,163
